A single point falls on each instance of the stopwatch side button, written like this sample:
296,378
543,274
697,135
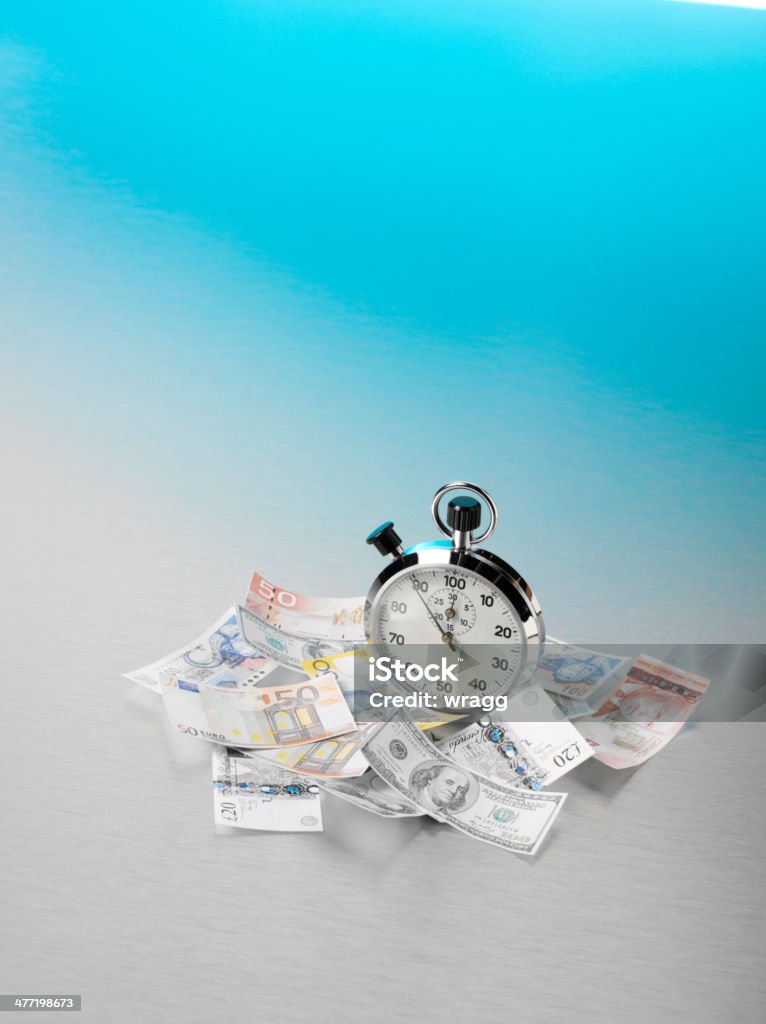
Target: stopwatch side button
463,514
386,540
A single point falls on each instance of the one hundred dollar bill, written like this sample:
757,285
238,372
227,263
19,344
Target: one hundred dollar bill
509,818
315,618
220,646
576,671
643,713
253,794
373,794
277,715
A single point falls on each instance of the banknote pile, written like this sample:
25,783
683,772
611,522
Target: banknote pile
271,686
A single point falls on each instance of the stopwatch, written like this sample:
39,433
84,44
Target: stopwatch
453,599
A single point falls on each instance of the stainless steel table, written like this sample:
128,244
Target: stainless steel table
645,904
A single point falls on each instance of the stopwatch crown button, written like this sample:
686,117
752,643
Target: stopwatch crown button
463,514
385,539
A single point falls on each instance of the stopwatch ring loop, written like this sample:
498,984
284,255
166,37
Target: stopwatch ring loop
463,486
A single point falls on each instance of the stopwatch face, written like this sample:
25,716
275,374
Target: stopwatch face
453,612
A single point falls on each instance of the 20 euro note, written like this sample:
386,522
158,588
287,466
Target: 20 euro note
643,713
315,618
511,819
220,646
276,715
252,794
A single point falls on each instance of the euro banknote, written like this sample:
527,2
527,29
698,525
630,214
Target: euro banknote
350,667
252,794
576,671
643,713
277,715
509,818
219,646
373,794
315,618
344,665
339,757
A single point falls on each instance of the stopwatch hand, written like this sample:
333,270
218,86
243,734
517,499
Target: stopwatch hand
446,637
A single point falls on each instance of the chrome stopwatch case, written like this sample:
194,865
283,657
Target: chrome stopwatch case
451,598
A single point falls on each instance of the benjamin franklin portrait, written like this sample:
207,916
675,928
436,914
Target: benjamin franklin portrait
440,787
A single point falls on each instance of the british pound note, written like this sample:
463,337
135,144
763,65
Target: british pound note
250,794
576,671
644,712
570,707
220,646
518,754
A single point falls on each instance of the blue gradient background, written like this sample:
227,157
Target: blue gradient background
275,271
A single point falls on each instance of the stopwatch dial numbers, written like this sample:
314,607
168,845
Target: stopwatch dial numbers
453,610
459,612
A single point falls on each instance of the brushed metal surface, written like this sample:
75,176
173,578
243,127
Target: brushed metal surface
646,903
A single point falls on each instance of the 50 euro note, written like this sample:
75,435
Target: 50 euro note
220,646
643,713
251,794
351,670
314,618
511,819
339,757
278,714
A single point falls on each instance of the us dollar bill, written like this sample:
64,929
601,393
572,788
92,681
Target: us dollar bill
220,646
315,618
280,714
252,794
576,671
511,819
643,713
373,794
